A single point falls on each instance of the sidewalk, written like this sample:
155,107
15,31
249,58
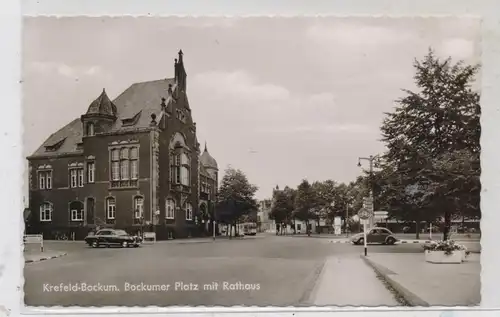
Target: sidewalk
38,256
427,284
205,240
348,281
402,236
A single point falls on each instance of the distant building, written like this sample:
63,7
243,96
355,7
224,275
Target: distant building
264,223
132,163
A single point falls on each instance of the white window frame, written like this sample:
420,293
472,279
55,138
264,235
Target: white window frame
75,213
115,170
124,169
46,209
138,207
90,129
189,211
91,172
170,209
48,179
110,210
184,175
44,179
80,176
73,178
124,163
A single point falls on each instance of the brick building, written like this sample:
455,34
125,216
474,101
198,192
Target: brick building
132,163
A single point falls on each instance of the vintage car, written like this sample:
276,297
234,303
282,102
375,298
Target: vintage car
375,235
109,237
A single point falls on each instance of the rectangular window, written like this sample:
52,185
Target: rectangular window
76,215
115,155
134,169
124,169
90,172
189,212
73,178
138,207
184,176
111,208
46,212
48,179
41,180
184,159
80,177
170,207
177,174
115,171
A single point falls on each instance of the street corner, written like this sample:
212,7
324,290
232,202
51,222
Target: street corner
43,256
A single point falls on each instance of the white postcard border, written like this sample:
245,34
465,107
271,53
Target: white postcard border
10,129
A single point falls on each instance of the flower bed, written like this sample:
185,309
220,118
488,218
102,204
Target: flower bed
445,252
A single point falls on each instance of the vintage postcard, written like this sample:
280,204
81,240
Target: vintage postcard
259,161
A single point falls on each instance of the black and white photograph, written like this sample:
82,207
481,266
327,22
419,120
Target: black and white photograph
251,161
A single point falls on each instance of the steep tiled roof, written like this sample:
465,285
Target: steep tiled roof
72,135
142,97
102,105
134,107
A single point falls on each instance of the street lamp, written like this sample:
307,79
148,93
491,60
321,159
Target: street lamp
214,215
373,161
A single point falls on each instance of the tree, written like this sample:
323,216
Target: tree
236,197
282,208
305,202
442,117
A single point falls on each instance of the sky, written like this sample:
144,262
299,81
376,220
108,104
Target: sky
282,99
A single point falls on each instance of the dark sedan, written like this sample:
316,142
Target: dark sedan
109,237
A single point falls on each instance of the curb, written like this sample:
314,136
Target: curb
339,241
47,258
409,297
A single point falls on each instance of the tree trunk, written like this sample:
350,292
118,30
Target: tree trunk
417,229
447,225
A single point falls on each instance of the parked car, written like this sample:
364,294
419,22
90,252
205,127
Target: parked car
109,237
375,235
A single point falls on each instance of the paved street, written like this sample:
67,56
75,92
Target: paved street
276,270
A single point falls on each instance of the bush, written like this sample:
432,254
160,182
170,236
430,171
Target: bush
447,246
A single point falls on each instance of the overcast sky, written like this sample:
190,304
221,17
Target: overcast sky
282,99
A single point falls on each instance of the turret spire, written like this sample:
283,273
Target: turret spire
206,146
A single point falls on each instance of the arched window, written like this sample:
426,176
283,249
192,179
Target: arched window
170,209
189,211
110,208
46,211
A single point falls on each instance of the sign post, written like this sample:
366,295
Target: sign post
364,215
368,205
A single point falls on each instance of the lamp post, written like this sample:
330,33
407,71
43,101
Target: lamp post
372,160
214,220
